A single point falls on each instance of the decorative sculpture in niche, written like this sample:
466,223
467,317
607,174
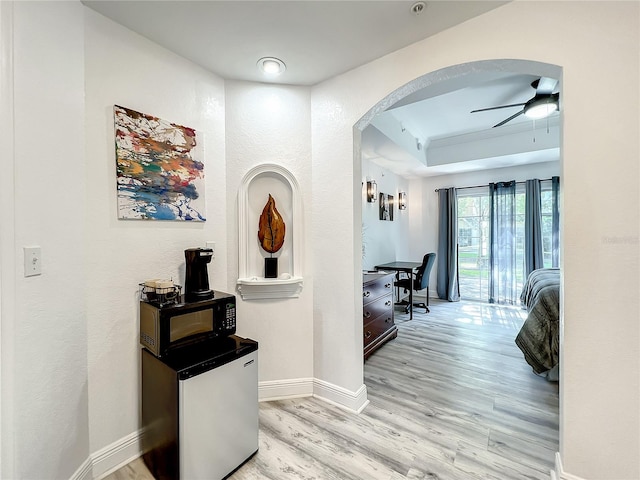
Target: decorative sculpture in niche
271,231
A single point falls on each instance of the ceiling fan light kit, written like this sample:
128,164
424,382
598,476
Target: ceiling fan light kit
543,103
541,107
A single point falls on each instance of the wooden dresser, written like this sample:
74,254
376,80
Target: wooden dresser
377,311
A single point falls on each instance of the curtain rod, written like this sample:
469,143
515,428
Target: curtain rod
478,186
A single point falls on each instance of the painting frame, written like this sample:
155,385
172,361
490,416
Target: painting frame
159,168
386,207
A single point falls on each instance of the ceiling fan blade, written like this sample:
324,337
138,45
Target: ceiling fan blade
546,86
496,108
508,119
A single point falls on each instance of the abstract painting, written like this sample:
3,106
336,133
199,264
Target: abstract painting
159,168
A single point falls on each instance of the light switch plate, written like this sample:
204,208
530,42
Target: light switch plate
212,246
32,261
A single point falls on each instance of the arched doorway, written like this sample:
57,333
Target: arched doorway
439,83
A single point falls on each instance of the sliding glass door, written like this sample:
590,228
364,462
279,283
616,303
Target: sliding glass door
473,243
473,238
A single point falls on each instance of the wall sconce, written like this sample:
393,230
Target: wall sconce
402,201
372,191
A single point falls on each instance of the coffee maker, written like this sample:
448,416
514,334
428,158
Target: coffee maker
197,279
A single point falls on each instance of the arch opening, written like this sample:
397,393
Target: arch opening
435,84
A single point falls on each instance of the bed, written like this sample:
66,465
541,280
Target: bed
538,338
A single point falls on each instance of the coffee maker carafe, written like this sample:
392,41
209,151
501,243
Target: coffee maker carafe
197,279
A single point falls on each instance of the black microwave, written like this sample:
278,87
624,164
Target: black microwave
164,328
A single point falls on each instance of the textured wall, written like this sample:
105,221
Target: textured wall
270,124
44,383
384,241
125,69
61,337
600,174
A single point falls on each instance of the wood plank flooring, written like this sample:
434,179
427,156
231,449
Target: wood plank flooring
451,398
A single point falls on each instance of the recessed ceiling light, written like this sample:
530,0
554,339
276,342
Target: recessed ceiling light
271,66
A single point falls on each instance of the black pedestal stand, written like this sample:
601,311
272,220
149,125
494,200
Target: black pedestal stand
271,267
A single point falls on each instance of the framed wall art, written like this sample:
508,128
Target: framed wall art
159,167
386,207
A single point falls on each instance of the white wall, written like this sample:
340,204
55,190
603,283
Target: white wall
84,326
270,124
58,337
125,69
382,240
7,245
44,362
600,407
337,296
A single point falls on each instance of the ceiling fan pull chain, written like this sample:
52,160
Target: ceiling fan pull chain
533,123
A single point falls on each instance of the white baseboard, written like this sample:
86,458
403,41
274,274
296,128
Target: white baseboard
280,389
560,474
306,387
114,456
84,471
121,452
341,397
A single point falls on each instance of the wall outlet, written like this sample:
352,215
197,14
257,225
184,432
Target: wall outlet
32,261
212,246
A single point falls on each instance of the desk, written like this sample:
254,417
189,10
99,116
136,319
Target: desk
406,267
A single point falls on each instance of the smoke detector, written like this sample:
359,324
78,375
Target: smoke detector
418,7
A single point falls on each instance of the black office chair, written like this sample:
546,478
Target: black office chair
419,282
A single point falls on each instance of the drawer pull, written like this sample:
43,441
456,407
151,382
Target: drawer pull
387,320
387,285
367,314
367,335
387,303
366,294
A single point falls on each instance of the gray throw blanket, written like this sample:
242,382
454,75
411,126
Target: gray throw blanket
539,336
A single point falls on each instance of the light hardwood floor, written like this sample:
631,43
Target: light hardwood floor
451,398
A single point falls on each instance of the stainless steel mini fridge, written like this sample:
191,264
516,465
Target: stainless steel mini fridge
200,409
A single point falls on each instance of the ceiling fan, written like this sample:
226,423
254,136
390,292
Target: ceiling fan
543,103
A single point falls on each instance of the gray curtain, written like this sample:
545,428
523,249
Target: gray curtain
533,258
555,223
502,241
447,276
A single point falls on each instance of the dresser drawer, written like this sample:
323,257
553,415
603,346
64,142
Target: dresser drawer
377,288
378,326
377,307
374,329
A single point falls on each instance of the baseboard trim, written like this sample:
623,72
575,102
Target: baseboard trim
123,451
114,456
84,471
341,397
560,474
281,389
307,387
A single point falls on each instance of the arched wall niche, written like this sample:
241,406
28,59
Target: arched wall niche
255,188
